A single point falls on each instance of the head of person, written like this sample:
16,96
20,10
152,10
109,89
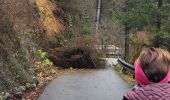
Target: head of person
152,66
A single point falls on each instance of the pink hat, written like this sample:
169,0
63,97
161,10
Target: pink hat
142,79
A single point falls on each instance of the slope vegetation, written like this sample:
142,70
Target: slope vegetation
25,27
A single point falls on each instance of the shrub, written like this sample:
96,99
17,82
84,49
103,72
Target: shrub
46,61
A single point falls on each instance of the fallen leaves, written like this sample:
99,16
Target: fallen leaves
33,95
45,74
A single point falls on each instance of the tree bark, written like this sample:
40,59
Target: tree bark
158,24
126,43
159,15
98,15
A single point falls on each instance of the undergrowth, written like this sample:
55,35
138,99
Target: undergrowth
126,75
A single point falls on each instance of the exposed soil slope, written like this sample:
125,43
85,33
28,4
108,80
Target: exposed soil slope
25,27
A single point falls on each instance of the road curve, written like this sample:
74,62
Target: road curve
93,85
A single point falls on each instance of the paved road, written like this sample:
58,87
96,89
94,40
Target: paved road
111,61
93,85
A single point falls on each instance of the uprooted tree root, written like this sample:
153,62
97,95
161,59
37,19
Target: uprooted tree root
76,58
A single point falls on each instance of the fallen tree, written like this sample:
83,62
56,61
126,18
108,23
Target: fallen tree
75,57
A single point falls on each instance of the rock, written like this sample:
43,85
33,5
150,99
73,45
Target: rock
2,93
33,86
7,94
17,89
28,85
22,88
71,68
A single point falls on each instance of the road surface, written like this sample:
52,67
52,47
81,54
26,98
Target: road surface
102,84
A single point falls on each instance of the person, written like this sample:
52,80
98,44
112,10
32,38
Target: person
152,76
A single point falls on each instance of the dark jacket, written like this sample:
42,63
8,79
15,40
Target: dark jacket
156,91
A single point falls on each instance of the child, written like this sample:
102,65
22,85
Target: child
152,75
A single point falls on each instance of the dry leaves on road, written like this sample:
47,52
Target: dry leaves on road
45,74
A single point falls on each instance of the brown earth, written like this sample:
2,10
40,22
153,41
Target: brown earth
25,27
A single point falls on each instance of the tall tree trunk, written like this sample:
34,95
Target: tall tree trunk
159,15
98,15
126,30
158,24
98,21
126,43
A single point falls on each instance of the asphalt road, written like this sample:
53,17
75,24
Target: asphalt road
103,84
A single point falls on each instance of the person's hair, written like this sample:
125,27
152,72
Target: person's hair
155,63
